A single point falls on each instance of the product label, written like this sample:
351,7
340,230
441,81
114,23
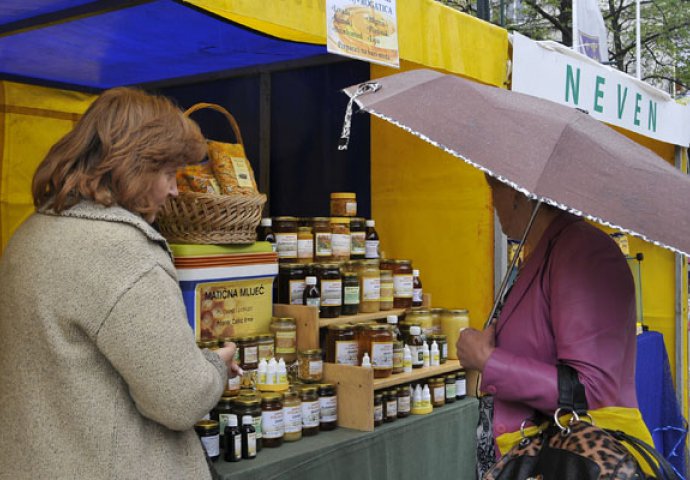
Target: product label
371,289
378,413
417,355
286,342
292,418
272,423
266,351
391,408
329,409
242,174
460,387
351,295
324,244
404,404
310,414
251,354
251,444
402,285
315,367
450,390
223,422
341,245
386,291
286,245
381,355
397,357
358,243
350,209
305,248
257,425
371,249
417,295
297,292
331,293
211,445
234,383
346,352
444,350
439,392
314,302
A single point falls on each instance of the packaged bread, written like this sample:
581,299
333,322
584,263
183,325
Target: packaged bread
200,178
231,168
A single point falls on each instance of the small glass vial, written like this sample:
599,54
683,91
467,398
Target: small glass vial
460,385
209,434
233,441
378,409
404,401
272,421
328,402
390,405
311,409
249,440
450,388
292,416
371,240
310,366
350,293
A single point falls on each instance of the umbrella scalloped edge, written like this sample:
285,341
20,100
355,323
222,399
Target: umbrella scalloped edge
514,185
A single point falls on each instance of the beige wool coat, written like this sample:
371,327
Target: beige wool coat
100,376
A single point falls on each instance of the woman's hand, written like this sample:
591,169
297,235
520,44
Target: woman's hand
227,354
475,347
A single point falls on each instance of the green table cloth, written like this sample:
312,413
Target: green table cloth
437,446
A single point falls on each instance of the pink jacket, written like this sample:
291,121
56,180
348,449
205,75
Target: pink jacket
574,302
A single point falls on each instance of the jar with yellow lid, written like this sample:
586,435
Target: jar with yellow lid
266,344
369,286
284,330
451,322
305,245
208,432
340,239
221,413
343,204
323,239
272,420
249,352
378,343
328,403
341,345
421,316
402,284
310,368
210,344
311,410
285,230
292,413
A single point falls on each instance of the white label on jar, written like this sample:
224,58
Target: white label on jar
417,295
251,354
315,368
381,355
273,423
341,245
286,245
350,208
305,248
286,342
371,249
310,414
314,302
331,293
351,295
324,244
450,390
292,417
392,408
397,357
223,422
402,286
257,425
444,350
297,292
329,409
234,383
357,243
404,404
211,445
439,392
346,352
378,413
417,355
371,289
460,387
251,444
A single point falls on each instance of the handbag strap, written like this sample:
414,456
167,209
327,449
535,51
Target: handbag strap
571,393
661,467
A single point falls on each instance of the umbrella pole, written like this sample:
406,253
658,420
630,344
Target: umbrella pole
498,301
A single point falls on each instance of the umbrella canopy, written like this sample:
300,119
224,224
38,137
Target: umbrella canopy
548,151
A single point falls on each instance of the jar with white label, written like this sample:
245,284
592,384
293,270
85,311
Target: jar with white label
284,330
310,365
272,420
291,283
341,345
311,410
340,239
357,238
402,284
208,433
369,286
305,245
331,289
328,402
285,231
292,416
378,343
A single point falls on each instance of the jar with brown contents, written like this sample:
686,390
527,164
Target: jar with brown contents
310,366
378,342
350,293
378,409
402,284
328,402
437,388
341,345
442,343
272,421
343,204
291,283
323,240
311,409
357,238
249,352
331,290
245,405
340,238
285,230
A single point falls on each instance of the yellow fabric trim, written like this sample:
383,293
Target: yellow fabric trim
628,420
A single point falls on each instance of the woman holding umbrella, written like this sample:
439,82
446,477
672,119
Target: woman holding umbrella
573,302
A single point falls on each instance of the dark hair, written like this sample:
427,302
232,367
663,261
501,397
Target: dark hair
111,156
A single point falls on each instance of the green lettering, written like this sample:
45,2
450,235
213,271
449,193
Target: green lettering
598,93
638,99
572,83
621,101
651,120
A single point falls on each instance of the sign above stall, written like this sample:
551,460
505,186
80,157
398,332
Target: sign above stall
554,72
363,29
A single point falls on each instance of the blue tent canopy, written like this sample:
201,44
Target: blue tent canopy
98,45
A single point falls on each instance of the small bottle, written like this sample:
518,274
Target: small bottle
271,372
415,342
261,371
266,232
417,397
417,297
392,321
248,437
426,355
371,240
426,396
435,355
311,295
281,373
233,440
366,361
407,359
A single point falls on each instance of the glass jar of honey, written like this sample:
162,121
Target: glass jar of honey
350,293
291,283
436,314
340,239
210,344
310,368
328,402
311,410
437,388
285,230
331,290
421,316
323,241
284,330
265,342
305,245
451,322
343,204
272,420
249,352
341,345
402,284
369,286
387,284
292,413
378,342
357,238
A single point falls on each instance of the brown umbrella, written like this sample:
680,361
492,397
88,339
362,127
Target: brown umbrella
550,152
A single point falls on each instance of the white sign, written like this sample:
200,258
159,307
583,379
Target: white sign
554,72
363,29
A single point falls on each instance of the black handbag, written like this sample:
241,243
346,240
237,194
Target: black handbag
578,450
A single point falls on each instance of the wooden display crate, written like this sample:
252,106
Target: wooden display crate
356,387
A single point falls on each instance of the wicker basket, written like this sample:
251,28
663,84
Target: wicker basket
210,218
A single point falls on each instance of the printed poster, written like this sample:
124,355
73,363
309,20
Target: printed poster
363,29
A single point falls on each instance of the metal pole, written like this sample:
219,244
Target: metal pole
638,41
576,36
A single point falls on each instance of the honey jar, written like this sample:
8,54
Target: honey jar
378,343
343,204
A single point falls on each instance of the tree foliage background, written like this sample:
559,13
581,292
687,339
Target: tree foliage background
665,32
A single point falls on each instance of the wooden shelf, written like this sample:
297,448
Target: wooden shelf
417,374
360,317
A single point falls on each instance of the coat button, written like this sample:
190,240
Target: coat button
491,389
